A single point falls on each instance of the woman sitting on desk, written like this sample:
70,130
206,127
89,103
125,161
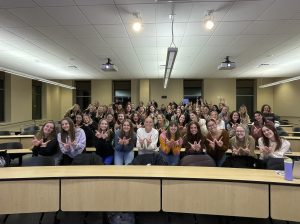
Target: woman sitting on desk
193,141
170,144
125,139
71,141
271,144
147,138
217,142
45,141
104,141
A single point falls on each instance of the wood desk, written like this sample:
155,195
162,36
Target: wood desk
287,128
295,142
26,140
291,133
204,190
17,151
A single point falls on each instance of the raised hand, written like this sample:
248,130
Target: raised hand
126,141
36,142
256,130
219,142
44,144
235,151
212,144
148,140
121,141
98,134
198,146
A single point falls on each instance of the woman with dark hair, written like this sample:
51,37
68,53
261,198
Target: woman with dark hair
170,144
72,140
267,112
111,121
234,121
217,142
104,142
120,120
259,122
125,139
182,125
271,144
193,141
136,121
45,141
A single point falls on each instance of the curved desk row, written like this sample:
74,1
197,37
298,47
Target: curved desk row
202,190
26,140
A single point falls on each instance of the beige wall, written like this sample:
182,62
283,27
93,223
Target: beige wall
144,90
214,89
286,101
264,95
19,100
135,90
102,91
174,91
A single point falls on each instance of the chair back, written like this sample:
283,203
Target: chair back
38,161
11,145
4,132
275,164
197,160
87,159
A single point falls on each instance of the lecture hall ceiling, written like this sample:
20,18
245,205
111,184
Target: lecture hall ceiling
47,38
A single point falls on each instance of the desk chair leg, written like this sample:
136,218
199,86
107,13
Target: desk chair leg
270,220
20,160
195,218
41,218
5,218
56,220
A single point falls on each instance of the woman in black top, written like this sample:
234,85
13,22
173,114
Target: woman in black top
104,141
45,142
89,127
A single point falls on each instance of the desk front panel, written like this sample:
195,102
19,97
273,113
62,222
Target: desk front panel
285,201
29,196
216,198
110,195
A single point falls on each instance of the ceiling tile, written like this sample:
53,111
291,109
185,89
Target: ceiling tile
54,2
93,2
118,42
247,10
111,30
129,13
148,30
143,41
83,31
231,28
67,15
33,16
165,29
104,14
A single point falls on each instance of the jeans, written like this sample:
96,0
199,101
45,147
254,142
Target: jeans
221,160
172,160
122,158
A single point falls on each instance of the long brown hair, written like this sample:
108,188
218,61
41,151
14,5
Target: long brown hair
108,130
189,135
41,135
276,136
177,133
70,133
131,131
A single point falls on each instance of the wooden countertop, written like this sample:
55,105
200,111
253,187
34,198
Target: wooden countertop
145,172
16,136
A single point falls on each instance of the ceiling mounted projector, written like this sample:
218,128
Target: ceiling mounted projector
109,67
227,64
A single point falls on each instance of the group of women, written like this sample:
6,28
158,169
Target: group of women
199,129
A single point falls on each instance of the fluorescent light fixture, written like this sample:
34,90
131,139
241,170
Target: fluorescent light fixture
171,56
21,74
280,82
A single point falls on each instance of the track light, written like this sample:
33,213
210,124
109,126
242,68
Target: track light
137,25
208,20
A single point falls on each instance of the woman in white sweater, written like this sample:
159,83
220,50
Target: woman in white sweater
147,138
271,144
